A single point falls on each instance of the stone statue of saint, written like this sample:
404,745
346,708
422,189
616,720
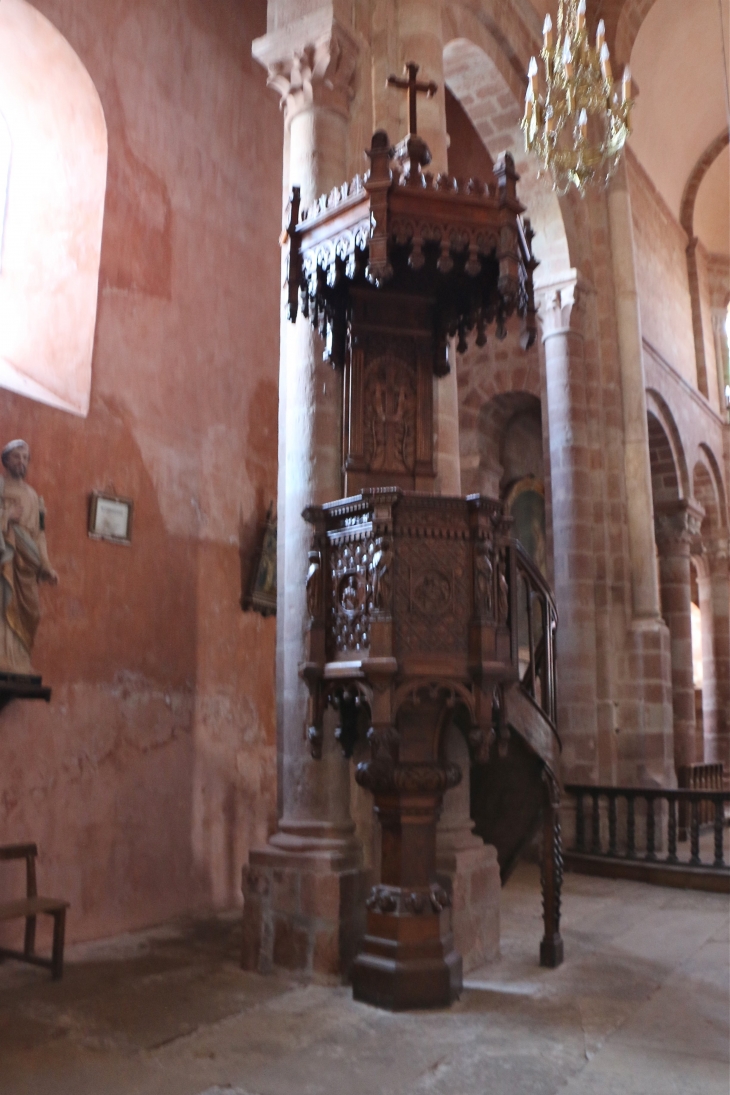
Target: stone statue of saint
23,560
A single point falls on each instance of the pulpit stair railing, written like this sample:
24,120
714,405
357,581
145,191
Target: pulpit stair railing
536,625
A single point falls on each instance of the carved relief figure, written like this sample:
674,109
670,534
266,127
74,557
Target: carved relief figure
381,569
389,425
314,584
483,581
23,559
350,595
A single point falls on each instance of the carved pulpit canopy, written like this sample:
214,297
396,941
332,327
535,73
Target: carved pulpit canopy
461,245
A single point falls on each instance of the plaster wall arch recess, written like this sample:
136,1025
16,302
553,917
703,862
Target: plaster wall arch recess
56,184
479,70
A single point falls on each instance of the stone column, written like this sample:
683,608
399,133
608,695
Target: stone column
719,336
403,31
677,524
304,893
694,295
562,337
718,748
446,413
639,503
645,743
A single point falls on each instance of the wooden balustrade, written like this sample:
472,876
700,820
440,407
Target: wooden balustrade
698,777
624,858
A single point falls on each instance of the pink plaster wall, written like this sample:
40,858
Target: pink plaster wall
153,770
661,272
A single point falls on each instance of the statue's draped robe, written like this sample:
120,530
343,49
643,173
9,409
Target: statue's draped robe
22,558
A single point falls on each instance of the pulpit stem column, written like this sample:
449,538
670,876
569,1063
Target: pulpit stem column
304,892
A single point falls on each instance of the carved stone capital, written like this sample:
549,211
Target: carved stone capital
561,304
677,526
717,551
311,63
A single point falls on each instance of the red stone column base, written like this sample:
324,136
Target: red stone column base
303,912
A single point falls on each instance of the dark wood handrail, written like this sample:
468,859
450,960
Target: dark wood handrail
527,564
677,793
541,662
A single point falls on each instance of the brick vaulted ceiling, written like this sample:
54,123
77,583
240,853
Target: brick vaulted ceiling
675,50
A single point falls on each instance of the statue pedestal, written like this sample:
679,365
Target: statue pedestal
22,686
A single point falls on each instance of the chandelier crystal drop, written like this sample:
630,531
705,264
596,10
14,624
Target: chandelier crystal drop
579,126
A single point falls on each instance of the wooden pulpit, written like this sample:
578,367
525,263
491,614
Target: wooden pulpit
412,596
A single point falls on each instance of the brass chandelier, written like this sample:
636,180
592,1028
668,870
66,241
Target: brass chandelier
579,127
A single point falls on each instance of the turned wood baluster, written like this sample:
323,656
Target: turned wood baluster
719,825
630,828
596,825
580,828
672,831
650,829
551,947
695,834
612,848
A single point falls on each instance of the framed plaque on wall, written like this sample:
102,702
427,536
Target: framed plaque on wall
110,518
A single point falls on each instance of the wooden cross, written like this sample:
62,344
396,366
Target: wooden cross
412,86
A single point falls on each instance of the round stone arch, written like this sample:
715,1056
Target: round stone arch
708,461
704,492
56,185
658,411
485,65
627,17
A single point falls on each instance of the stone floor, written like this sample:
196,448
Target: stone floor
640,1007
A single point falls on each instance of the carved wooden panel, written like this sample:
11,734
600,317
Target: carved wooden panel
432,596
388,412
349,596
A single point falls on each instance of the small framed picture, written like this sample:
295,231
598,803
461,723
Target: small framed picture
261,596
110,518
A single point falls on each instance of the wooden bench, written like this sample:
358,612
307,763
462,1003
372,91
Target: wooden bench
29,907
